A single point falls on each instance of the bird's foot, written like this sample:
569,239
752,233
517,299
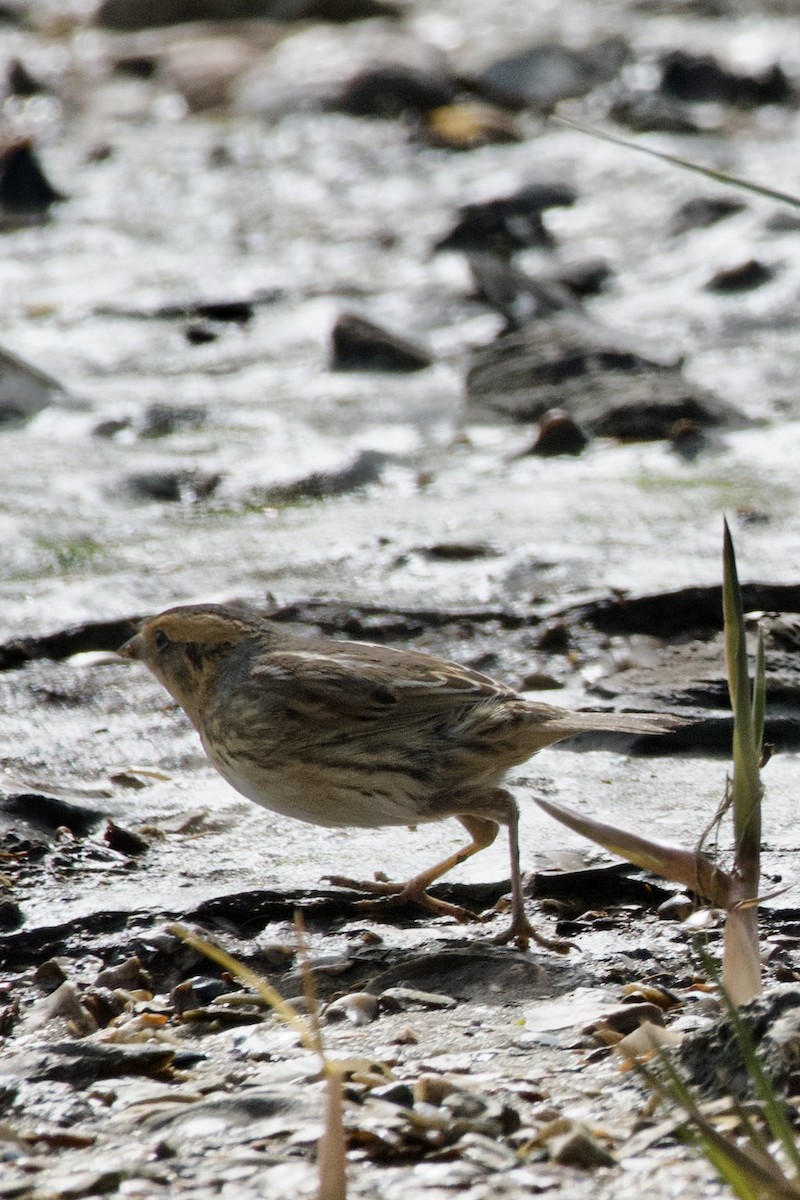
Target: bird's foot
523,933
396,895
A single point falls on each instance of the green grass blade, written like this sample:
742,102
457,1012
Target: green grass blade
774,1112
759,694
746,751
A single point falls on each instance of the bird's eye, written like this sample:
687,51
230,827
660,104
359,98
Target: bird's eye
160,640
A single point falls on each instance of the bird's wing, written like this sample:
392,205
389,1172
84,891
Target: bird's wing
352,678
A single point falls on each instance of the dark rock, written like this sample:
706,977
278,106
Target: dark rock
11,915
21,82
47,814
590,888
507,223
160,420
360,345
483,973
700,78
49,976
236,312
577,1148
545,74
646,111
395,1093
365,469
606,386
711,1059
389,91
742,278
691,612
239,312
692,675
127,15
688,440
250,1111
457,551
783,222
371,69
199,333
124,841
24,390
704,211
517,296
185,487
111,427
90,635
559,434
587,277
25,190
139,66
83,1063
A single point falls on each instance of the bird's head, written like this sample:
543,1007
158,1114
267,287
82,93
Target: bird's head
185,648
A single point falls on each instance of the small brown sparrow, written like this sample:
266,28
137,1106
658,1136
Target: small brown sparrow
352,734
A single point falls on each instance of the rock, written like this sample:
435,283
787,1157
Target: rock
558,434
516,295
143,14
688,439
204,70
677,908
11,915
648,111
466,126
389,91
703,211
76,639
360,345
46,815
21,82
607,387
628,1017
456,551
161,420
124,841
691,675
478,973
586,277
24,390
507,223
742,278
359,1008
253,1112
365,469
26,193
50,975
369,69
577,1148
711,1059
545,74
200,333
83,1062
700,78
404,999
184,487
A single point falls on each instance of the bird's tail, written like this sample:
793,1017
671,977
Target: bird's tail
572,723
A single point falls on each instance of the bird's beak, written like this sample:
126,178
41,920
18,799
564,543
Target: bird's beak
134,648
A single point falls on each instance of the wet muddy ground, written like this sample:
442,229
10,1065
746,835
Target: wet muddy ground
174,429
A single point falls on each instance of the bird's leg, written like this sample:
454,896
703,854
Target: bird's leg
482,831
520,930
